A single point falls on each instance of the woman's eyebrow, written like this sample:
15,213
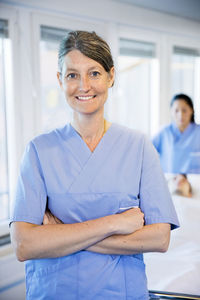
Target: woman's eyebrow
71,69
90,69
94,67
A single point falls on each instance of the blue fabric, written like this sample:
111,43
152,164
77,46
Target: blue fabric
124,171
179,151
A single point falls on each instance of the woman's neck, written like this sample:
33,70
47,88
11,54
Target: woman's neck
183,127
91,128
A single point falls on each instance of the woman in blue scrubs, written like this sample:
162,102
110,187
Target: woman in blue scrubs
178,144
102,184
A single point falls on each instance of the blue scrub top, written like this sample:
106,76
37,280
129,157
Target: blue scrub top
123,171
179,151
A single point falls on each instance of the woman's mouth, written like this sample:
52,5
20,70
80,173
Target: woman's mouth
85,98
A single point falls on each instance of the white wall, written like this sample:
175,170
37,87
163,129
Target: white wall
183,8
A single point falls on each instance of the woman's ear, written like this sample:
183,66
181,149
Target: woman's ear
111,76
59,77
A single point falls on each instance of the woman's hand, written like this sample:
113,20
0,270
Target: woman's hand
49,218
127,222
130,221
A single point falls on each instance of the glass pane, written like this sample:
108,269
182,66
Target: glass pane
136,48
138,85
54,110
3,28
4,190
186,51
186,75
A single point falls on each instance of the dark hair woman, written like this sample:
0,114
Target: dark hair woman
179,143
188,102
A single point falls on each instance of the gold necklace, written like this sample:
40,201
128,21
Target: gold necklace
104,127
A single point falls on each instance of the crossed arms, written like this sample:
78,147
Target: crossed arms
121,234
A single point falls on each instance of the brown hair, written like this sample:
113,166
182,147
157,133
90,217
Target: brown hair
89,44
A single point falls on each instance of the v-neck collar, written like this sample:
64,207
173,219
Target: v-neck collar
92,162
104,137
79,149
179,133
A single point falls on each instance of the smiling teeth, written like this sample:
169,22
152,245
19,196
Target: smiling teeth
85,98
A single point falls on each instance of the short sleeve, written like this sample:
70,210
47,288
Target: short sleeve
157,141
155,199
30,199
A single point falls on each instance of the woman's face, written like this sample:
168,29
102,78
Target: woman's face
181,113
85,83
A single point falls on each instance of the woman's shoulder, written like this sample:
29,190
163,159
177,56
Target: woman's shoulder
196,127
133,138
129,132
51,137
165,128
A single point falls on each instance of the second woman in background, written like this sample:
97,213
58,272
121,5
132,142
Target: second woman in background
179,143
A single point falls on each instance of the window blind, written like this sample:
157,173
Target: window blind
136,48
52,34
186,51
3,28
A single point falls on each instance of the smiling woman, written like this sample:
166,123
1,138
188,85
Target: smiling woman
91,196
85,83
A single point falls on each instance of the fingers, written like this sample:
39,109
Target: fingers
45,220
134,210
49,218
58,221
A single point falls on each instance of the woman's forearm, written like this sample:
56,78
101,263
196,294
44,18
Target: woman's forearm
53,239
150,238
45,241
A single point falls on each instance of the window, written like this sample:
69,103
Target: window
186,75
4,186
54,111
138,85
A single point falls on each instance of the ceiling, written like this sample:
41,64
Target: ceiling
189,9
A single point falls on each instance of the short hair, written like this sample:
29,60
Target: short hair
89,44
187,99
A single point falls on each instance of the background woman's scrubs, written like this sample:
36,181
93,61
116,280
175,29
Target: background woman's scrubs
123,172
179,151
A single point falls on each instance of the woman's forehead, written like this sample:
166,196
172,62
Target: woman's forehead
76,60
180,103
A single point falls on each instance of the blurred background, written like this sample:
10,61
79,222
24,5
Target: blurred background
156,50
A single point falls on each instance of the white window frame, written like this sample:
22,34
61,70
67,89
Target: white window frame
185,43
133,33
12,109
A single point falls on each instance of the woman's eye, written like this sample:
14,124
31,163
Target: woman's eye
95,73
71,76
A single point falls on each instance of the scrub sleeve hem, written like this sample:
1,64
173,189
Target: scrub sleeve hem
154,220
26,219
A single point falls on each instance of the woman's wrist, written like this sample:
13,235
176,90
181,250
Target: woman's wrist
112,224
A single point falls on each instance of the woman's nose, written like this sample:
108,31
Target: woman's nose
179,114
84,84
